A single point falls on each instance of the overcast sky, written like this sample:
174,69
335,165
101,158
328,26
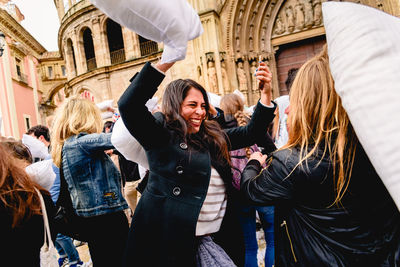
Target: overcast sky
41,21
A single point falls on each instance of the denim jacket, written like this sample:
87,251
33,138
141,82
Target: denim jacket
93,180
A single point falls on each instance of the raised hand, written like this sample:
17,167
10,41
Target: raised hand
264,76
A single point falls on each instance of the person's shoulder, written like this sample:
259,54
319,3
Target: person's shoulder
287,157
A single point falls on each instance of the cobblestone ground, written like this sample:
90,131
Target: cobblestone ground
84,253
85,256
261,248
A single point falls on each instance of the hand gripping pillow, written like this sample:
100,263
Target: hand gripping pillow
173,22
364,54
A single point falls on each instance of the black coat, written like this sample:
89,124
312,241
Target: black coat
23,243
164,224
365,231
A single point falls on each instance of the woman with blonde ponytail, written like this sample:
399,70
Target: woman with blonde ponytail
331,207
90,181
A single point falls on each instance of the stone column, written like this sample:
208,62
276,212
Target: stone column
136,45
69,61
100,48
130,43
79,53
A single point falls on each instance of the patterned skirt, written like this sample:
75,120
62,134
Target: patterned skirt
209,254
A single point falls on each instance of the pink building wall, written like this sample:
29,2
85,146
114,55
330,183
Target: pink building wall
24,104
23,94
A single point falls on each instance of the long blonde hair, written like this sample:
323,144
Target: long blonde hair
318,120
75,116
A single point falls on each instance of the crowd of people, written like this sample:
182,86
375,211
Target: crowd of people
213,173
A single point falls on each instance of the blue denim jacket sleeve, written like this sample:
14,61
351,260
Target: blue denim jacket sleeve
96,142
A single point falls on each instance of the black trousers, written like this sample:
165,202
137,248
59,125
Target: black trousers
106,236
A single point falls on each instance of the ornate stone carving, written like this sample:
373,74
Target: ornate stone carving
379,4
224,75
317,12
212,77
299,14
279,26
253,68
238,26
308,13
290,18
241,77
251,44
240,15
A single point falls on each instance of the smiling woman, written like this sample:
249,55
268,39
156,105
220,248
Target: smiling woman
189,196
193,109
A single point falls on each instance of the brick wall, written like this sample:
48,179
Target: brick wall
293,55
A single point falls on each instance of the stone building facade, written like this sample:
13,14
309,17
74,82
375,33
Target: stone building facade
101,56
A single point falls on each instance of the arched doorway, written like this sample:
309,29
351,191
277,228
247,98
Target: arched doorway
89,49
294,55
115,42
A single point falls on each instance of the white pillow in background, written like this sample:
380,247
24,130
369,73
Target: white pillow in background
364,54
103,106
42,173
173,22
127,145
214,99
36,147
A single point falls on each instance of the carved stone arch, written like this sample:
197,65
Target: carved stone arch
267,24
103,35
103,23
252,26
49,97
230,26
81,28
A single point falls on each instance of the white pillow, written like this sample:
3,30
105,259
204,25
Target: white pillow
42,173
173,22
364,53
36,147
127,145
214,99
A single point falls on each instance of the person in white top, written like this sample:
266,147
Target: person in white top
280,133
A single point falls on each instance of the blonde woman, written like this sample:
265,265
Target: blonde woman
93,181
331,208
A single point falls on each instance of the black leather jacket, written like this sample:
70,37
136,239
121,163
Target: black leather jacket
364,231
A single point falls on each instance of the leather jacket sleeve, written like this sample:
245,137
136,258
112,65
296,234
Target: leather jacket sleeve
266,186
254,131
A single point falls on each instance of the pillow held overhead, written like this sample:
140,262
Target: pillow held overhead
173,22
364,55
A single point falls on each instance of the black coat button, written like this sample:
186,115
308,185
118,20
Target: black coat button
176,191
179,169
183,145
